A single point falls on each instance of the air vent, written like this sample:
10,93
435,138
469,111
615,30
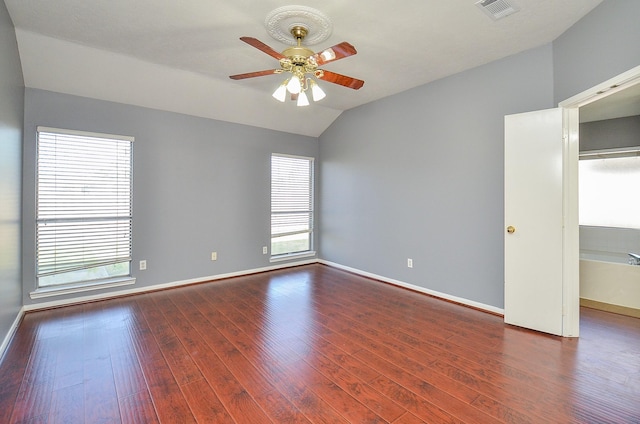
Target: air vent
497,9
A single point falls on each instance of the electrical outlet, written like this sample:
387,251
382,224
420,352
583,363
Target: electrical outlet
143,265
409,263
214,256
265,250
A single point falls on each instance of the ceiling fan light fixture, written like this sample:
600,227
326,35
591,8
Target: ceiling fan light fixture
294,86
302,99
316,92
300,63
281,92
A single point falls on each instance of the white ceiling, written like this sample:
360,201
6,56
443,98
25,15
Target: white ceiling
176,55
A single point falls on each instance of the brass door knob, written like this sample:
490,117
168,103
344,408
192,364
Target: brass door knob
511,229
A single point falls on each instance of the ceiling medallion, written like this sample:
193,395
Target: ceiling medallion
281,21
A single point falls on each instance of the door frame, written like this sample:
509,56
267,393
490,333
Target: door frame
571,238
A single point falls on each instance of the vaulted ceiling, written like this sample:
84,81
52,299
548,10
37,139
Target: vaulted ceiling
177,55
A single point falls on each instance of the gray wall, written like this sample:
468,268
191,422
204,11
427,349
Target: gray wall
603,44
610,133
199,185
420,175
11,114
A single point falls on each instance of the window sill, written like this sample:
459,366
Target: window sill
81,287
292,256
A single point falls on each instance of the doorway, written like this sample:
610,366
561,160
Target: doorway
604,93
609,176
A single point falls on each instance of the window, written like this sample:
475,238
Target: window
83,212
609,182
291,205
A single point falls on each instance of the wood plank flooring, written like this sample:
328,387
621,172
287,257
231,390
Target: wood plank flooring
312,344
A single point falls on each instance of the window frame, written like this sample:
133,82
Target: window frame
118,221
311,211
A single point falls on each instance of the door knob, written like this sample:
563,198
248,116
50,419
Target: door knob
511,229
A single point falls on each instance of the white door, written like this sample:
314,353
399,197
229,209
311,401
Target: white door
534,220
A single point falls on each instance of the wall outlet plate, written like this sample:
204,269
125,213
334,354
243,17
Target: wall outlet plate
265,250
214,256
143,265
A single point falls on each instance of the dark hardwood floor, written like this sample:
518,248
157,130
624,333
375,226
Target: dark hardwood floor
312,344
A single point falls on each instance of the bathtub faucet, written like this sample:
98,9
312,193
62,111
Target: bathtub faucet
634,259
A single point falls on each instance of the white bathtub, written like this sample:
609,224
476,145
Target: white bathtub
614,283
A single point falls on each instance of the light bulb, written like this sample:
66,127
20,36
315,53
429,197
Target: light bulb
302,99
317,92
294,85
281,92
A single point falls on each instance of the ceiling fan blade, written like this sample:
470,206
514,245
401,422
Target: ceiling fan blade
339,51
262,47
254,74
341,80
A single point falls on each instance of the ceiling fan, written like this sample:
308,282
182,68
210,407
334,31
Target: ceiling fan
300,61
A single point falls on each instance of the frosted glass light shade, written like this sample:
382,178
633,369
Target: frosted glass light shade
281,92
317,92
302,99
294,85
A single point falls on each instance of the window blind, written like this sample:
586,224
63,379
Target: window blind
84,196
291,198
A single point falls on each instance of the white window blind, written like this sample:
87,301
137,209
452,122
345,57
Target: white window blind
291,204
84,194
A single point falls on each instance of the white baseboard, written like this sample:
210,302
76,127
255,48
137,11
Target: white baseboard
137,290
467,302
75,300
11,332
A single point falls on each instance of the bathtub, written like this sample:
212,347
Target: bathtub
608,278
